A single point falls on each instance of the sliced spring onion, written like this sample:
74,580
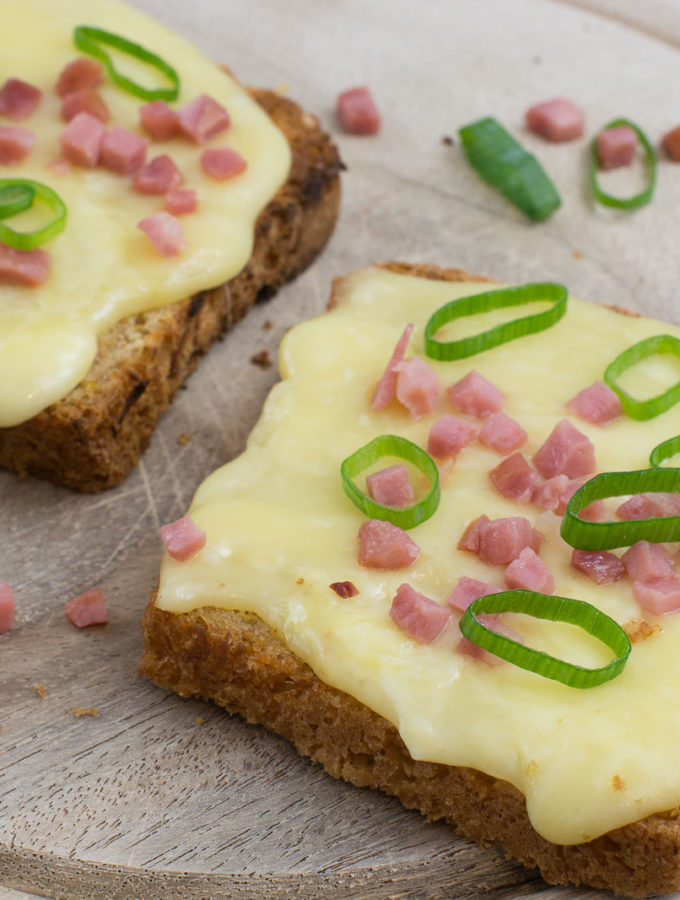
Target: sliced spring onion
556,609
93,41
15,198
29,240
664,450
644,409
637,200
501,161
586,535
499,299
392,445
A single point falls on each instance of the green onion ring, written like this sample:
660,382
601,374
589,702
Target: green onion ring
664,450
637,200
556,609
644,409
89,39
392,445
15,198
606,535
498,299
28,240
502,162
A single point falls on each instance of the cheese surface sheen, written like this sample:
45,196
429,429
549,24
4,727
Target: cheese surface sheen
280,530
103,268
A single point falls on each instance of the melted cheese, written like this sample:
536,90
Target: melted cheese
103,267
280,530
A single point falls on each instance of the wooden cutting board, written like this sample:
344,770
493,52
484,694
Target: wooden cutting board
112,788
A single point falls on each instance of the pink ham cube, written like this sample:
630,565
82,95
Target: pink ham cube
221,163
645,562
383,545
7,607
548,494
556,120
159,121
468,589
165,232
386,389
514,478
653,505
567,451
18,99
470,538
183,538
181,201
85,100
502,540
662,595
591,513
502,433
475,396
81,73
123,152
391,486
15,144
81,140
202,119
417,386
158,176
357,112
528,572
600,566
671,143
615,147
86,609
597,404
449,435
418,615
29,268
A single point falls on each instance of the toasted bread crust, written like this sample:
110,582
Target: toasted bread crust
93,438
238,662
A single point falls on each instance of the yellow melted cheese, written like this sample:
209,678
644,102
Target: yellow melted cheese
103,267
280,530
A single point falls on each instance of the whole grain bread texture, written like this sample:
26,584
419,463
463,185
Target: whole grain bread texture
235,660
94,437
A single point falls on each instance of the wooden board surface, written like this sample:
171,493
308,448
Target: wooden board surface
156,797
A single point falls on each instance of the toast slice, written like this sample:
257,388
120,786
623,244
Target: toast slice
94,437
239,662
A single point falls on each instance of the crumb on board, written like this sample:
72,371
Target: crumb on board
261,359
40,691
81,711
640,630
268,325
577,254
184,438
282,88
448,140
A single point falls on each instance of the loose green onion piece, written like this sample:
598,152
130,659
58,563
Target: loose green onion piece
29,240
507,166
90,40
556,609
392,445
15,198
664,450
637,200
644,409
606,535
500,334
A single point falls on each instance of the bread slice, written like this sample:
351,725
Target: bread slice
238,662
92,438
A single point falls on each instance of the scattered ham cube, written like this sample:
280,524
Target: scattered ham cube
18,99
468,589
181,201
424,619
556,120
502,433
671,143
659,596
529,573
7,608
615,147
567,451
449,435
183,538
383,545
502,540
591,513
386,389
87,609
15,143
391,486
646,506
202,119
600,566
549,494
165,232
597,404
123,152
645,562
85,100
470,538
158,176
159,121
514,478
221,163
357,112
81,140
417,386
28,268
82,72
475,396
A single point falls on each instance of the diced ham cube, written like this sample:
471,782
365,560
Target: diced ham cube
469,589
475,396
598,404
600,566
181,201
202,119
548,494
18,99
502,433
15,143
123,152
159,121
653,505
502,540
86,609
85,100
449,435
645,561
183,538
81,140
165,232
357,112
383,545
529,573
671,143
514,478
556,120
467,648
591,513
158,176
28,268
221,163
386,388
82,72
470,538
418,615
417,386
615,147
391,486
567,451
659,596
7,607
